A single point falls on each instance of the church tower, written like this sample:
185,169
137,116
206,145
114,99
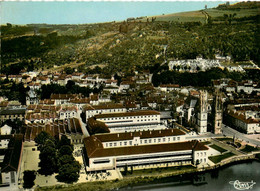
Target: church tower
217,112
202,116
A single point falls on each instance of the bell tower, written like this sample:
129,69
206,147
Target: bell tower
202,119
218,112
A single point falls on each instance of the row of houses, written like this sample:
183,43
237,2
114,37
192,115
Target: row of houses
243,117
247,86
193,65
200,64
72,128
35,80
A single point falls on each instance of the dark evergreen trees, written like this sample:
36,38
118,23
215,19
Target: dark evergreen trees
48,155
28,178
69,172
68,167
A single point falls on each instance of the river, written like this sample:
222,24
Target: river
221,179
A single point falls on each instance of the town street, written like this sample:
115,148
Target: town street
228,131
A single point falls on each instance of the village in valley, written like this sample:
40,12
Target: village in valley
70,125
117,131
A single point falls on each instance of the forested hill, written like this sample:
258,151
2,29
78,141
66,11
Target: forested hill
134,44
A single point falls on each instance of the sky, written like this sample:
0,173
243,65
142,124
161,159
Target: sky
81,12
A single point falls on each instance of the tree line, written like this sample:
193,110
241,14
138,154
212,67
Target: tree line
56,157
199,79
70,88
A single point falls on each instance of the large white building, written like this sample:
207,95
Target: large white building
131,121
92,110
241,123
149,137
147,155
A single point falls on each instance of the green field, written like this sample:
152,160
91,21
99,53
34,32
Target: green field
198,16
192,16
239,13
249,149
220,149
219,158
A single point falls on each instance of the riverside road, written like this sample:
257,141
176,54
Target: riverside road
228,131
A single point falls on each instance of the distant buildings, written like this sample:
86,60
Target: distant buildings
12,114
200,64
193,65
243,117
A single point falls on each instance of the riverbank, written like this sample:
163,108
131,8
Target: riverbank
132,180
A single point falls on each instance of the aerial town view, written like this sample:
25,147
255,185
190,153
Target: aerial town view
147,96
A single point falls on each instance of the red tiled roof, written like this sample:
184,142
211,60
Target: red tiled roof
135,113
64,96
107,106
95,149
170,85
142,135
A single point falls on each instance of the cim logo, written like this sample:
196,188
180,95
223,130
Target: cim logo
242,185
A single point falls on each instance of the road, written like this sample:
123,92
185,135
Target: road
227,147
228,131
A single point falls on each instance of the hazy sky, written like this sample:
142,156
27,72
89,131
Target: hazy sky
90,12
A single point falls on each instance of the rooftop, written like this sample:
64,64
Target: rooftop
141,134
95,149
12,156
134,113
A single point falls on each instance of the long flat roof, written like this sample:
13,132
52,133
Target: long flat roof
107,106
12,156
142,134
95,149
125,114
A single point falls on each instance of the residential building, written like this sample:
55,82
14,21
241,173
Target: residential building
63,98
10,168
68,112
72,128
5,130
12,114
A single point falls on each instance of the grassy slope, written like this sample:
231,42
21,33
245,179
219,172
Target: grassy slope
192,16
240,13
196,16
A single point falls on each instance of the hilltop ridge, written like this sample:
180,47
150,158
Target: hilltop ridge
134,44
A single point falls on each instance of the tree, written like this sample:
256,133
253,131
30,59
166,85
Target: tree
48,155
42,137
69,172
65,150
65,159
70,84
83,117
64,141
48,160
28,178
